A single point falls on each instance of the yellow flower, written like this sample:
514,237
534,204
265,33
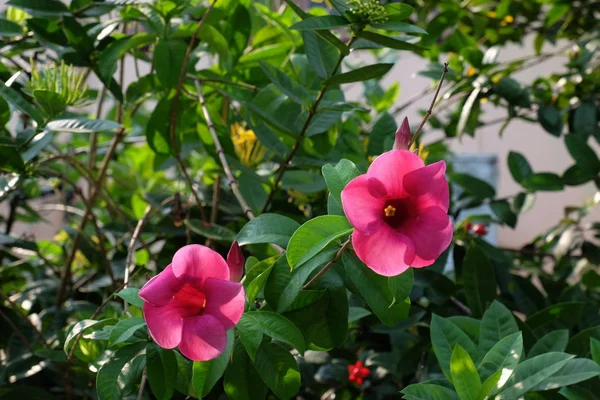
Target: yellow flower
483,100
471,71
496,78
491,14
509,19
247,147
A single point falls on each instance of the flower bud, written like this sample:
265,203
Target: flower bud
235,261
402,136
480,229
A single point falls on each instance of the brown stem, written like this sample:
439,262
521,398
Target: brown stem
140,395
66,277
460,306
311,113
430,110
175,106
335,259
130,249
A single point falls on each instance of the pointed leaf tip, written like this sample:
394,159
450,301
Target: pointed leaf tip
235,261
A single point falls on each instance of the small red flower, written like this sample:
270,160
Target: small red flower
357,373
480,229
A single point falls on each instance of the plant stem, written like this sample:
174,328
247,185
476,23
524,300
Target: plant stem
335,259
130,249
430,110
311,113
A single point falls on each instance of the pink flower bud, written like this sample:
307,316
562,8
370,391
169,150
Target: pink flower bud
235,260
402,136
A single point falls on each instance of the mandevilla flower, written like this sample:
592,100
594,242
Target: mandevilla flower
399,210
192,303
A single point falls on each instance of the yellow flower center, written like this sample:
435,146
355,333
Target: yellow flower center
390,211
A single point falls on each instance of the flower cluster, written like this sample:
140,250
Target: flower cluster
247,147
357,373
370,11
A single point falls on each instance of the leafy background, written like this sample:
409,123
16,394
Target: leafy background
236,113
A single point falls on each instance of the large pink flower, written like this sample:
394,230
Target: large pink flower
192,303
399,210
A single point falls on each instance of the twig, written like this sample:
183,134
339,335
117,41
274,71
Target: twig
88,211
214,207
121,79
311,113
329,264
17,331
460,306
25,317
175,106
130,248
430,110
140,395
410,101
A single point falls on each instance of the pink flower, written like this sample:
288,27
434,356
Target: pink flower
399,210
192,303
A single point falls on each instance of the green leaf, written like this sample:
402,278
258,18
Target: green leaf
339,176
360,74
398,11
543,181
254,286
383,132
550,119
52,103
254,324
504,212
278,369
399,26
595,349
82,125
497,323
572,372
9,28
161,365
577,393
119,371
568,313
314,236
41,8
582,153
444,336
157,129
241,381
303,181
555,341
376,290
531,373
519,166
466,110
503,357
474,186
125,329
479,280
321,54
357,313
109,57
168,60
207,373
464,375
323,22
10,159
16,100
489,385
389,42
131,296
287,85
83,326
429,391
585,119
268,228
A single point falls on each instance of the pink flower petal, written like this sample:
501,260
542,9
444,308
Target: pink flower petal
429,186
161,288
431,233
195,263
376,188
386,251
225,301
164,323
391,167
204,338
362,209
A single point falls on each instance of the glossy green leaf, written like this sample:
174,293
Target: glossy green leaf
582,153
503,357
168,60
519,166
254,324
339,176
595,349
82,125
161,367
568,313
489,385
497,323
530,373
119,371
322,22
83,326
585,119
10,28
242,381
14,98
465,112
207,373
479,280
109,57
125,329
464,374
268,228
360,74
41,8
398,11
474,186
572,372
52,103
11,159
388,42
278,369
555,341
314,236
291,88
550,119
322,55
543,181
429,391
130,295
444,337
